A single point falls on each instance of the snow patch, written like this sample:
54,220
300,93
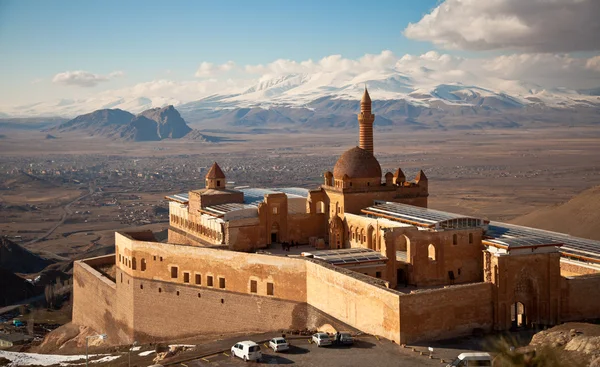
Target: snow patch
33,359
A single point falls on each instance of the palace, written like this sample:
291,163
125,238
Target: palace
371,256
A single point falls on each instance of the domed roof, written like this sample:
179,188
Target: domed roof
357,163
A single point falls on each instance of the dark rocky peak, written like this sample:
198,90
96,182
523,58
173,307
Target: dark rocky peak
98,118
170,123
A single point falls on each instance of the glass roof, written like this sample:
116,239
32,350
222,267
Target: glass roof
181,198
348,256
221,209
422,216
571,246
256,196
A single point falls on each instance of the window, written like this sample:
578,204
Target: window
209,280
159,290
199,295
141,286
470,237
455,239
218,183
431,252
275,210
177,292
186,277
222,300
198,279
269,289
143,264
378,274
253,286
161,258
154,258
133,263
174,271
222,283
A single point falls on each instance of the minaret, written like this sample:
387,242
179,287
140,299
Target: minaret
365,123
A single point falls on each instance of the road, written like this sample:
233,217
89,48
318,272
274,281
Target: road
67,212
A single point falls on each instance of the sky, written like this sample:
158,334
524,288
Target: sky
79,49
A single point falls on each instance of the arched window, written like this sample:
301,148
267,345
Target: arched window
133,263
431,252
143,264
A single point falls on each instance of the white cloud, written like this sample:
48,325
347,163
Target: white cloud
82,78
207,69
526,25
593,63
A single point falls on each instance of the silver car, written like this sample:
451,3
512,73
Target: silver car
279,344
321,339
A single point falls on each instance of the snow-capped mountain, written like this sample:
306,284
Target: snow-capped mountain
416,98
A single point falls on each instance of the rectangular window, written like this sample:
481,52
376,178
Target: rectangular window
470,238
269,289
378,274
209,280
174,271
274,210
186,277
253,286
198,279
455,239
222,283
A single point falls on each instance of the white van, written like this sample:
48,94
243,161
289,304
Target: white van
246,350
472,359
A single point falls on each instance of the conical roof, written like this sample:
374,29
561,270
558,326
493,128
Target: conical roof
421,176
215,172
366,98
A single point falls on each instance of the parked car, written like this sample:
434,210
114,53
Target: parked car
321,339
346,339
247,350
471,359
279,344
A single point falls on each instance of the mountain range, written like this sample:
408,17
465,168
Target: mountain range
332,100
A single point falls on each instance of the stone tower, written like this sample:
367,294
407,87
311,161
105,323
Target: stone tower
215,178
365,123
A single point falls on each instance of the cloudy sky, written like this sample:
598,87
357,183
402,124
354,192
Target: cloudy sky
190,49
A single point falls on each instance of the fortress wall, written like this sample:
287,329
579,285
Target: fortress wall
580,298
287,275
353,299
303,226
445,312
95,301
180,310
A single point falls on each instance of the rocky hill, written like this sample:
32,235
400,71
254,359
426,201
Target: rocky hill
169,122
578,217
150,125
17,259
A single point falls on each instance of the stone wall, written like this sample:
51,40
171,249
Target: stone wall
445,312
354,299
95,301
303,226
574,268
580,298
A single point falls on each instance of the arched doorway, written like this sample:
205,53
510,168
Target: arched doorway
518,316
336,232
370,238
275,232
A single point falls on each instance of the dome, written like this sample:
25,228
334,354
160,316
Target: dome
357,163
